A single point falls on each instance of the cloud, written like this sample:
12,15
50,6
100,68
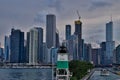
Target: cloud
23,14
40,18
97,4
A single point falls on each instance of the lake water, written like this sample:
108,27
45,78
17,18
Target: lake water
96,76
26,74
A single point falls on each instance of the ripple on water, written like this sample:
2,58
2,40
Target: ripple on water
96,76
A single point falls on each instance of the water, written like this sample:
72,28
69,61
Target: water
96,76
25,74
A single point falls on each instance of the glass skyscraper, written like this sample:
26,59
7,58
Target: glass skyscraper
57,40
17,54
7,49
118,54
1,54
40,45
68,31
110,45
103,51
50,30
78,33
27,47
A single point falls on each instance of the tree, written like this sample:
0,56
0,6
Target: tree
79,68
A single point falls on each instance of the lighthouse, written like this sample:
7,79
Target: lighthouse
62,70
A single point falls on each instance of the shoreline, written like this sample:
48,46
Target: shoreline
31,66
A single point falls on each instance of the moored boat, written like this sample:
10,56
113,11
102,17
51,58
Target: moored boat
104,72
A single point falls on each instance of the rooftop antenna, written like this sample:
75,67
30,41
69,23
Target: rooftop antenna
79,17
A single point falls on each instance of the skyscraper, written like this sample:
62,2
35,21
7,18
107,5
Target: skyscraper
17,46
50,30
78,32
87,52
78,28
71,46
1,54
45,53
57,40
7,48
33,46
95,56
68,31
118,54
40,45
27,47
103,51
53,55
109,43
36,46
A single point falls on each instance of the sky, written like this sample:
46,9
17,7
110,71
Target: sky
26,14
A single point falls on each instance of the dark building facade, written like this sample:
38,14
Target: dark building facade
40,45
27,47
1,54
95,56
87,52
50,30
78,32
17,46
102,55
57,40
118,54
68,32
7,48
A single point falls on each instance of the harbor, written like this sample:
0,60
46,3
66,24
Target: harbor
95,74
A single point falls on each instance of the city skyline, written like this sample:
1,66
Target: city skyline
33,14
59,39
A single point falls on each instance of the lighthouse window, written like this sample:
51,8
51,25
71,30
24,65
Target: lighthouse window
62,72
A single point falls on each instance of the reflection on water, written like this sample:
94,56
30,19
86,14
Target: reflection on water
96,76
25,74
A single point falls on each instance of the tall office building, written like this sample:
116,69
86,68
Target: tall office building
118,54
87,52
78,28
102,55
17,54
40,45
7,49
68,32
110,44
95,56
27,47
53,55
45,53
33,46
57,40
50,30
82,46
71,46
78,32
36,46
1,54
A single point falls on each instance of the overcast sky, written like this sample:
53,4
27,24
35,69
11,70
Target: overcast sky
25,14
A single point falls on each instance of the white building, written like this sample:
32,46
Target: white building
33,46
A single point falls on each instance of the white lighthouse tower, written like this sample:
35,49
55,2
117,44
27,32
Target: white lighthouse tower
62,70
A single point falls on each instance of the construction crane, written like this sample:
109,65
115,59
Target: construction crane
79,17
